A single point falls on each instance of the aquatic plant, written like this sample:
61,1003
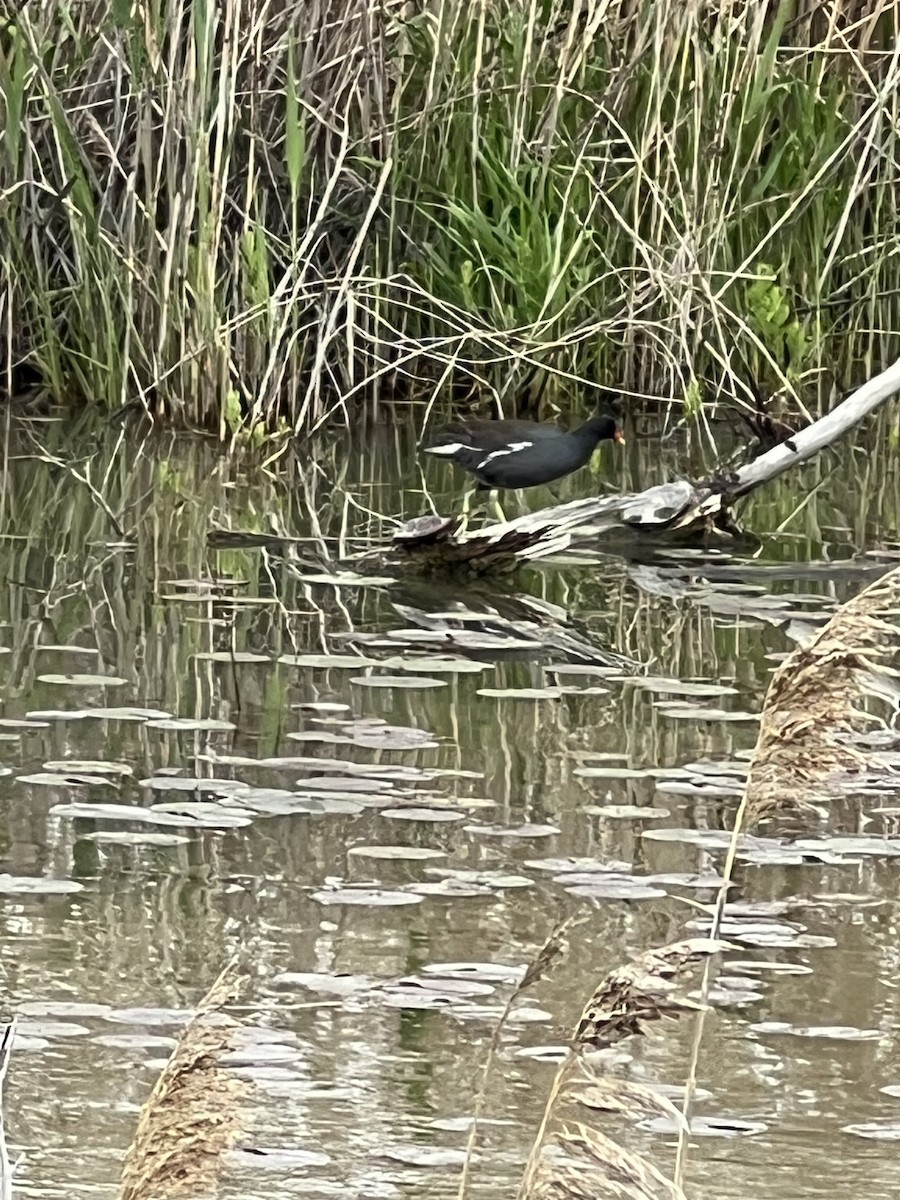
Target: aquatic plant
223,213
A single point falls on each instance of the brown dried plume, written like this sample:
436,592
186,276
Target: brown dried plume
810,707
192,1115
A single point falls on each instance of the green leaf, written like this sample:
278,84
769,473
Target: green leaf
693,399
231,411
294,128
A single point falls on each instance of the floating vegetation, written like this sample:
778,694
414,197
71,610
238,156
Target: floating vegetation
413,682
121,837
84,680
57,779
366,897
528,830
545,693
89,767
37,885
427,815
397,853
202,816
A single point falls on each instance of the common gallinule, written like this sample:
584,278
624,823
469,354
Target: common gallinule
519,454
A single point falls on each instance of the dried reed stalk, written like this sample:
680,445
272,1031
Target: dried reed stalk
571,1160
802,746
191,1117
7,1168
554,947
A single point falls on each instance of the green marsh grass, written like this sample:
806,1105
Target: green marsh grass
243,214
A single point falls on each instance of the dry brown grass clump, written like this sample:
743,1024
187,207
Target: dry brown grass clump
572,1160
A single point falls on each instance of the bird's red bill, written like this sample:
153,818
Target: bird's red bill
619,437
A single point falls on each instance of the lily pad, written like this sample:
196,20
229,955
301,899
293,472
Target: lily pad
435,664
399,853
199,812
327,984
84,680
56,648
36,1027
560,865
753,966
59,780
322,706
707,1126
344,784
522,693
187,724
151,1016
218,818
341,662
695,712
678,687
232,656
122,837
450,889
429,815
43,716
626,812
183,783
526,830
367,897
611,771
713,788
134,1041
488,972
499,879
126,713
416,1155
62,1009
412,682
393,737
444,985
87,766
839,1033
37,885
615,887
879,1131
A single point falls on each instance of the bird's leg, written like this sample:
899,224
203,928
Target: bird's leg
494,503
464,515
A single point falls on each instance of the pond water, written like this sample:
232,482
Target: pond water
393,807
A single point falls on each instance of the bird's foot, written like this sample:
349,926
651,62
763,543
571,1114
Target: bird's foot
496,509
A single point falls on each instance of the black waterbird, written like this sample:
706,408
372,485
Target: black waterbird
519,454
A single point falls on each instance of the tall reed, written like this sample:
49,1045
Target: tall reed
242,211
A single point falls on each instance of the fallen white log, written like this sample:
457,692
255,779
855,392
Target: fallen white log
820,434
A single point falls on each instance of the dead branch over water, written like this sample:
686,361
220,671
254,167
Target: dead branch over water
662,511
191,1117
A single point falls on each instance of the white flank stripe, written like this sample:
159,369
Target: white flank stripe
510,449
452,448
